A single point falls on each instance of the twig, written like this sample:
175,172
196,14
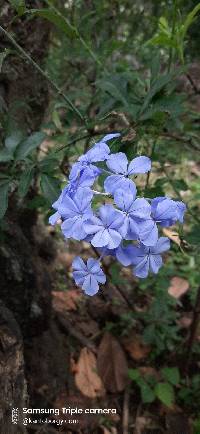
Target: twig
125,416
66,326
44,74
194,87
107,272
74,29
193,332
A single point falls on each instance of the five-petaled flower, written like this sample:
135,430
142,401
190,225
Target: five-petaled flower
105,228
147,259
118,164
89,275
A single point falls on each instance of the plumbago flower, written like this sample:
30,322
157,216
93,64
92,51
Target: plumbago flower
126,227
88,275
118,164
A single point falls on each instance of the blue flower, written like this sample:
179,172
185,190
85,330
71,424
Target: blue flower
135,210
118,164
148,259
165,212
105,228
74,211
85,167
89,275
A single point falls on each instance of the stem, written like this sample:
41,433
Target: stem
43,73
107,271
83,42
172,34
193,331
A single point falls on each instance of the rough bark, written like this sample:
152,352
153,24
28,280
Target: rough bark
25,277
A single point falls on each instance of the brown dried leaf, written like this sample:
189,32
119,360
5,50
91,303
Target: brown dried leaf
65,301
86,378
172,235
136,347
112,364
178,287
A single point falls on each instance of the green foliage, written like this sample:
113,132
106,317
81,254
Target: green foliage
173,37
60,22
25,147
3,55
18,5
151,389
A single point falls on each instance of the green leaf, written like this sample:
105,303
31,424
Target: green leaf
25,181
49,187
134,374
147,394
18,5
13,140
189,20
5,155
28,145
172,375
60,22
4,188
165,392
114,90
3,55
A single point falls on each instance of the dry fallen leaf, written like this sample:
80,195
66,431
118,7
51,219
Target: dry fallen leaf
136,347
178,287
67,300
86,378
172,235
112,364
148,371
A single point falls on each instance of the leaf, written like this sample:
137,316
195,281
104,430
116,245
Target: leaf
178,287
189,20
4,188
13,140
172,235
60,22
172,375
147,394
165,393
114,90
5,155
86,378
18,5
49,187
3,55
112,364
134,374
25,181
66,300
136,347
28,145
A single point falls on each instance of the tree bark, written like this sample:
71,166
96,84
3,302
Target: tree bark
25,309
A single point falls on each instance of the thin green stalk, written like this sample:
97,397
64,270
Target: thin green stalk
172,34
73,28
43,73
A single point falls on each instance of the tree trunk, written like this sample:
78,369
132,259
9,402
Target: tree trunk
25,309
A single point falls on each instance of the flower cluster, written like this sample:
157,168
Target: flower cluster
126,227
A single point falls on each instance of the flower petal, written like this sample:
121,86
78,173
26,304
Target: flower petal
90,285
54,218
142,269
162,245
155,262
139,165
118,163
